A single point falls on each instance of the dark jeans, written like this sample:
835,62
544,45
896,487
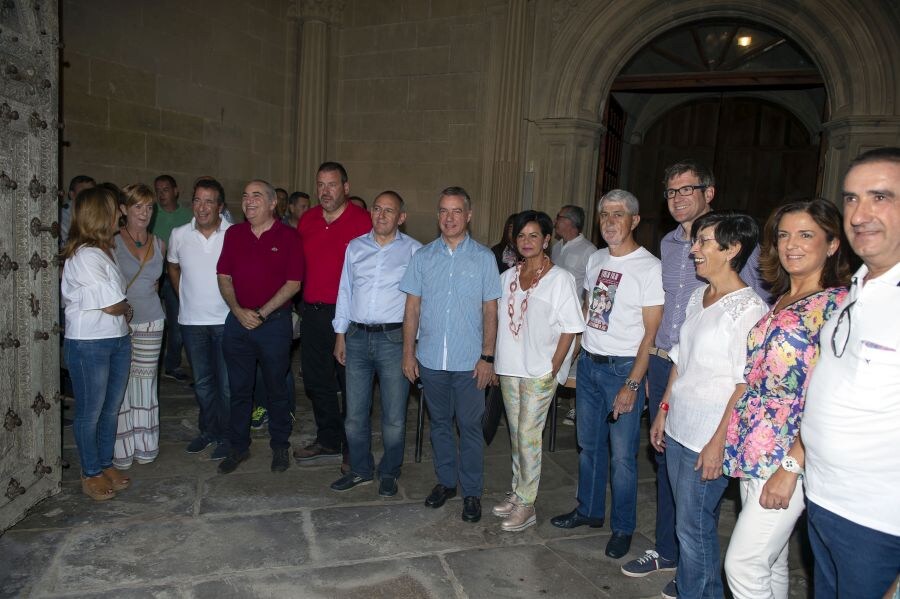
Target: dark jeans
453,395
260,394
203,344
369,354
658,378
322,374
99,370
270,344
171,349
851,560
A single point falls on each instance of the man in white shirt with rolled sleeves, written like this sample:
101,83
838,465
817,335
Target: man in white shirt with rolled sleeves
194,250
852,411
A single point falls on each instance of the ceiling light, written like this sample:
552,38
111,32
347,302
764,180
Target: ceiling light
744,41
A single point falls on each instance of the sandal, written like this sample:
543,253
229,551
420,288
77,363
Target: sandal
117,479
97,488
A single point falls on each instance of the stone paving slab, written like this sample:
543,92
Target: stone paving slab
26,556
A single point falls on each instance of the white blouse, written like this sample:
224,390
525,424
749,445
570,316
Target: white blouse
91,281
553,309
710,356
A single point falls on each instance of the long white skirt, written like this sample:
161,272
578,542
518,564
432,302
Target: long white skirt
137,436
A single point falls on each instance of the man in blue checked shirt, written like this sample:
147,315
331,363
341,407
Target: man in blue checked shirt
368,321
452,285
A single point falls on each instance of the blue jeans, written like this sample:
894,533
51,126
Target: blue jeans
658,378
601,443
851,560
99,369
270,345
697,524
173,342
450,394
203,344
369,354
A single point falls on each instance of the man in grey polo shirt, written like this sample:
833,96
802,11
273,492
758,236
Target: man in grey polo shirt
452,285
194,250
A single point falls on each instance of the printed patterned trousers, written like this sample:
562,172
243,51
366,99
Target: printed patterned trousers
527,401
137,434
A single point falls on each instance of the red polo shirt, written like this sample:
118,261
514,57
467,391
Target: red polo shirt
324,245
259,267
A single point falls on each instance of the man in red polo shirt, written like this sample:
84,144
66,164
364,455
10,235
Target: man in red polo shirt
259,270
325,231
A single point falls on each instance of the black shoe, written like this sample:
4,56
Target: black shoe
387,487
618,545
230,463
573,520
471,509
348,481
439,494
280,460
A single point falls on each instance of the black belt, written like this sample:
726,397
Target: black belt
597,358
377,328
318,305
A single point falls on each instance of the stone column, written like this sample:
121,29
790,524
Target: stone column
505,165
847,138
314,20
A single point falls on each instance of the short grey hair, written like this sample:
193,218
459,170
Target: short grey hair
621,196
575,214
458,192
270,189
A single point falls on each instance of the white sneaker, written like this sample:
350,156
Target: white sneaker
569,420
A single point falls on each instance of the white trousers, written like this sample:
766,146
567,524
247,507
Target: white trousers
756,563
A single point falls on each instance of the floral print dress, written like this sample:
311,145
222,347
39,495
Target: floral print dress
782,349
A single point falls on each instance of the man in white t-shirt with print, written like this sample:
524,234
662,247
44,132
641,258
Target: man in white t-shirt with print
852,408
624,300
194,250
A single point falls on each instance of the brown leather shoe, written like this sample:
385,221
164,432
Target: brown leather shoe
97,488
314,451
117,479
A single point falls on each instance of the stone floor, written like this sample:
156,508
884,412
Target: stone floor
182,530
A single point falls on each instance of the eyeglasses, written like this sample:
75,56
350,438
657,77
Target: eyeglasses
684,191
838,337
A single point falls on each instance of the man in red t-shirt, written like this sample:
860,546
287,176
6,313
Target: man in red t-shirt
259,270
325,232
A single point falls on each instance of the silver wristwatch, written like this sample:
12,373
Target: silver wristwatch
791,465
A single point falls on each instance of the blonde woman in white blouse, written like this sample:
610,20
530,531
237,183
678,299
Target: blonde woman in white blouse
97,345
539,316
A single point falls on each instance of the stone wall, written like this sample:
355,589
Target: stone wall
186,88
410,103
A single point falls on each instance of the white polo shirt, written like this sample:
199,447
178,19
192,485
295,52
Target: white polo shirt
573,256
197,256
852,408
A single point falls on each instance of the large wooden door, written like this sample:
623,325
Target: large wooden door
29,305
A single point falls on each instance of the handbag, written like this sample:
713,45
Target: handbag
493,409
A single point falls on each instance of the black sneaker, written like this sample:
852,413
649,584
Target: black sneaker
177,375
471,509
348,481
618,545
198,444
387,487
280,460
231,463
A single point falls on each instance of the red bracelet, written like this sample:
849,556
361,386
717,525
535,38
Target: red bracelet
664,406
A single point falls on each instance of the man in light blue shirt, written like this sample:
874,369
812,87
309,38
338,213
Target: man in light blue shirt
452,285
368,323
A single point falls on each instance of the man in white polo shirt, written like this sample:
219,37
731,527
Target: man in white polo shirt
194,250
852,409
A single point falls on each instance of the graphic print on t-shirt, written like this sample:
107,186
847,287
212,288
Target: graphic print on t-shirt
603,297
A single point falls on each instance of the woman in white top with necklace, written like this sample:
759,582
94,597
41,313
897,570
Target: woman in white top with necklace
97,345
706,380
539,316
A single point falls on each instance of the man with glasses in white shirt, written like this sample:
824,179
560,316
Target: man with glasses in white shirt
849,431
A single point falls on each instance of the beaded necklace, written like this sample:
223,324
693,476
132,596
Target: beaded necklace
513,286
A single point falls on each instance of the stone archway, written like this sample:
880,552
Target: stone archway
591,44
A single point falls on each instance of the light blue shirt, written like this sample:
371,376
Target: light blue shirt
453,286
369,291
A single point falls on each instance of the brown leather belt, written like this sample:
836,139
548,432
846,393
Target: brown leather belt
655,351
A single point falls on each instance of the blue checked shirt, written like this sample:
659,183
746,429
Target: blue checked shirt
369,291
453,286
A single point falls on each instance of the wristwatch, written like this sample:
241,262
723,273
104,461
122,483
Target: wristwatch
487,358
791,465
632,384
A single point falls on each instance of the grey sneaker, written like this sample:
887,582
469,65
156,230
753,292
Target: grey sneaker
648,563
671,590
522,517
507,506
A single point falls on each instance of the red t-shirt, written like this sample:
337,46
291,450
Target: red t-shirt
259,267
324,245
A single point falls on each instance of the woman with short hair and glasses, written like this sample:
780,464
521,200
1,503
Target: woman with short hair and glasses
706,379
804,262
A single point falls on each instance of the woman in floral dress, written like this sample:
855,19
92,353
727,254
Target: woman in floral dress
803,262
